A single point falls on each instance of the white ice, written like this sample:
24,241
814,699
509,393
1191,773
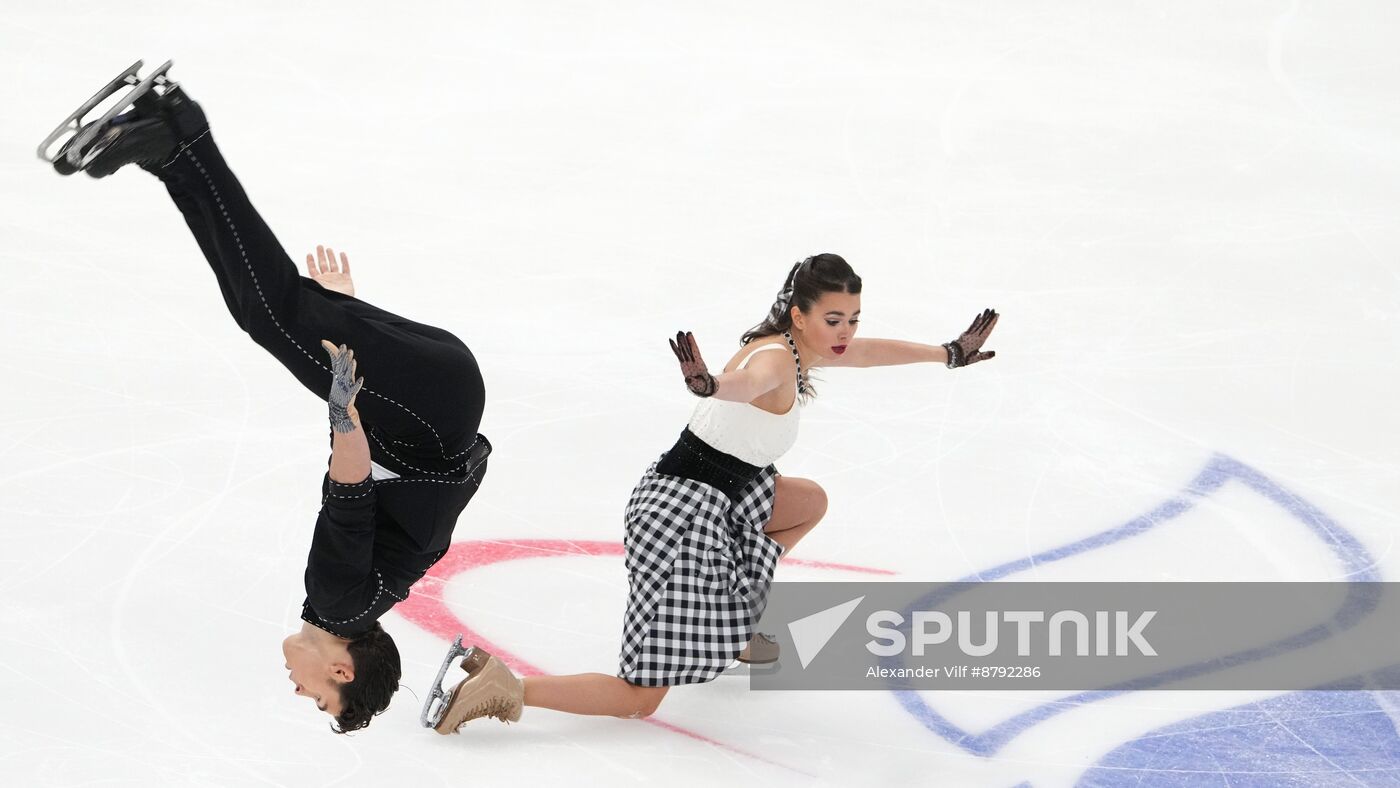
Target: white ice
1185,212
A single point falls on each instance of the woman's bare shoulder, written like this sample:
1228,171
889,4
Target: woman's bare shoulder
751,348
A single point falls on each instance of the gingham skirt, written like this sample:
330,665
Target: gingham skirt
699,568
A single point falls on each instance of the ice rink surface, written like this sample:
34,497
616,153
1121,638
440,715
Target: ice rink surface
1185,212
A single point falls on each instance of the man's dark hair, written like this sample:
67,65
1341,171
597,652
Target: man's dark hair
377,672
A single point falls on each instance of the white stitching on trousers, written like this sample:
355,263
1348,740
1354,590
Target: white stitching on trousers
182,148
471,474
442,449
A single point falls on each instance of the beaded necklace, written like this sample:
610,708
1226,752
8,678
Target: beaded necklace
801,384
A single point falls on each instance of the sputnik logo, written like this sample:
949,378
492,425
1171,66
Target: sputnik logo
810,634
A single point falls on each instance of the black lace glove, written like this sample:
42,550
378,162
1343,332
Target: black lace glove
697,377
967,348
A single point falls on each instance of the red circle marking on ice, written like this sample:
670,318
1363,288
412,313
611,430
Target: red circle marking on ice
425,606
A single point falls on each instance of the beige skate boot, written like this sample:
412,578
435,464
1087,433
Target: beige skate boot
489,690
761,650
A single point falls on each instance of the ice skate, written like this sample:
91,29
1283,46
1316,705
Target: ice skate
761,650
489,690
141,127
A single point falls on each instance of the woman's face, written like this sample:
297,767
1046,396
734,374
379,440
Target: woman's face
828,327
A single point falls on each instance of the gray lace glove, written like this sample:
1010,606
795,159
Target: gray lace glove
344,387
697,377
967,348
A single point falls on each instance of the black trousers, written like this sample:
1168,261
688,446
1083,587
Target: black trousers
423,393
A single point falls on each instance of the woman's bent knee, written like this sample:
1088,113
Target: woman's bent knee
813,501
818,502
647,700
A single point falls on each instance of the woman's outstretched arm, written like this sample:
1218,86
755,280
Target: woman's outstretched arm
872,352
966,349
746,385
740,385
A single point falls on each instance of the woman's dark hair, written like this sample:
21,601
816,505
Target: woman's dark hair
806,283
377,672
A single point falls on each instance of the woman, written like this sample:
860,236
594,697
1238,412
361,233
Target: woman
708,521
396,483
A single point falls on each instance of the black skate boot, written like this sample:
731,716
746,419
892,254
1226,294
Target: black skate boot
151,125
128,139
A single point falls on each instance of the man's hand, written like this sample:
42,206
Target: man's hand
344,387
329,273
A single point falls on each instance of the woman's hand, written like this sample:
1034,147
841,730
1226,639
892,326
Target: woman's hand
328,273
344,387
697,376
967,348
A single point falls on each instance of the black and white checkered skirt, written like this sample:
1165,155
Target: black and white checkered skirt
699,568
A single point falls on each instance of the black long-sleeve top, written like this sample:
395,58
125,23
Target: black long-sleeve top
375,539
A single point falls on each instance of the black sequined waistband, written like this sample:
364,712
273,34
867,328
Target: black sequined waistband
693,458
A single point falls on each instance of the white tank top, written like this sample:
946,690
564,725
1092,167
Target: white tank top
744,430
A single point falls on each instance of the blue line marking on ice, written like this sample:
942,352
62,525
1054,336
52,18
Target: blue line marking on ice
1356,560
1302,738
